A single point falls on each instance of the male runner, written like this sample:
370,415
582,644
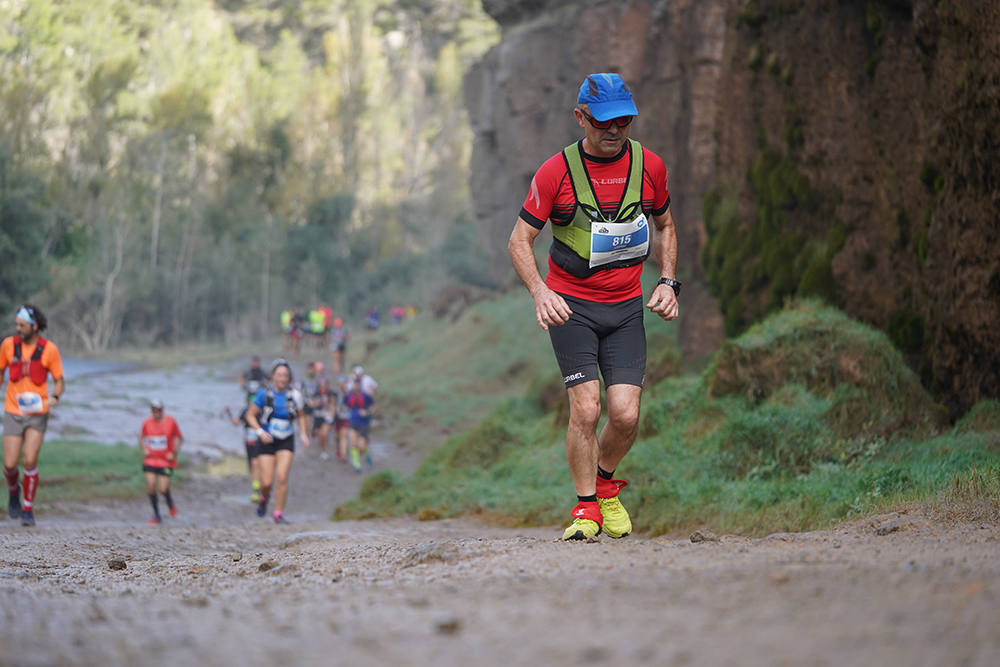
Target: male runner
253,378
601,194
250,382
368,383
361,405
160,441
31,359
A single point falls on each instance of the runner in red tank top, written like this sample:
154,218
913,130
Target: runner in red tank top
601,195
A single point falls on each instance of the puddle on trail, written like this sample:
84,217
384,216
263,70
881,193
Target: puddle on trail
107,402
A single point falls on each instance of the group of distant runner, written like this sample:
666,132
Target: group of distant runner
324,330
274,407
320,409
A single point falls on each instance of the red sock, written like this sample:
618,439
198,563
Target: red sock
11,476
30,486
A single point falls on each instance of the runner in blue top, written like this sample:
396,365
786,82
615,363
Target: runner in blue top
273,414
361,406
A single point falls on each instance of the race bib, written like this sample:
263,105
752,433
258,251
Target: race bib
615,241
156,443
280,429
29,403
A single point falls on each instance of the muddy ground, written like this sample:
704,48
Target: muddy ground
218,586
92,584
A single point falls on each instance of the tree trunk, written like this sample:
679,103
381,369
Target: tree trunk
154,241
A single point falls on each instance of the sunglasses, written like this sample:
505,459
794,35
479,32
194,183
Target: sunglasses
621,121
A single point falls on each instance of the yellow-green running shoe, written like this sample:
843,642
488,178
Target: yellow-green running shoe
616,522
581,529
586,522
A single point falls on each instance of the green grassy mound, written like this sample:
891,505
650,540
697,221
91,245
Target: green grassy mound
806,419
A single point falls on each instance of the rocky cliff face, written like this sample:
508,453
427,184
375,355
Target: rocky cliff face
889,112
849,149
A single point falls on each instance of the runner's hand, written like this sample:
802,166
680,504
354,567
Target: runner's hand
266,438
550,309
664,302
305,441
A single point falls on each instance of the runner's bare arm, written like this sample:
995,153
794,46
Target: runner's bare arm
303,429
58,386
663,301
252,413
177,449
550,308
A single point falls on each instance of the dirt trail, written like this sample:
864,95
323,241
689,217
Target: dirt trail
218,586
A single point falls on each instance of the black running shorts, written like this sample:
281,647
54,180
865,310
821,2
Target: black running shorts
270,449
606,336
156,470
253,449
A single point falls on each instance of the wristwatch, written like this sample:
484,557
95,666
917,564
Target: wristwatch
674,284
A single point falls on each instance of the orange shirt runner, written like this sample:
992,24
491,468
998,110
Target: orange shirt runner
24,397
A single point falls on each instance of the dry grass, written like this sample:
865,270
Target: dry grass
970,498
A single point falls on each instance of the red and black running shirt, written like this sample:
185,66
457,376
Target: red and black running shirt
550,197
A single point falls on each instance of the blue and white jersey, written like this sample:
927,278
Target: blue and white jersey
278,411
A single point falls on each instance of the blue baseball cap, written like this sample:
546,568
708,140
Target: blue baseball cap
607,96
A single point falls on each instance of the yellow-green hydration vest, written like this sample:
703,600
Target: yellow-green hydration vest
571,249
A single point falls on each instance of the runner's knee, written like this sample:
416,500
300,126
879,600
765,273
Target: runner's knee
624,419
585,412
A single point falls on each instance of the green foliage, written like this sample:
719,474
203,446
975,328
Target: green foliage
773,440
21,232
490,439
806,419
462,258
182,109
78,470
984,417
906,329
188,158
785,250
755,57
382,482
751,14
973,496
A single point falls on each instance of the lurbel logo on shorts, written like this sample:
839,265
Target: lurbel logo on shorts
574,376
